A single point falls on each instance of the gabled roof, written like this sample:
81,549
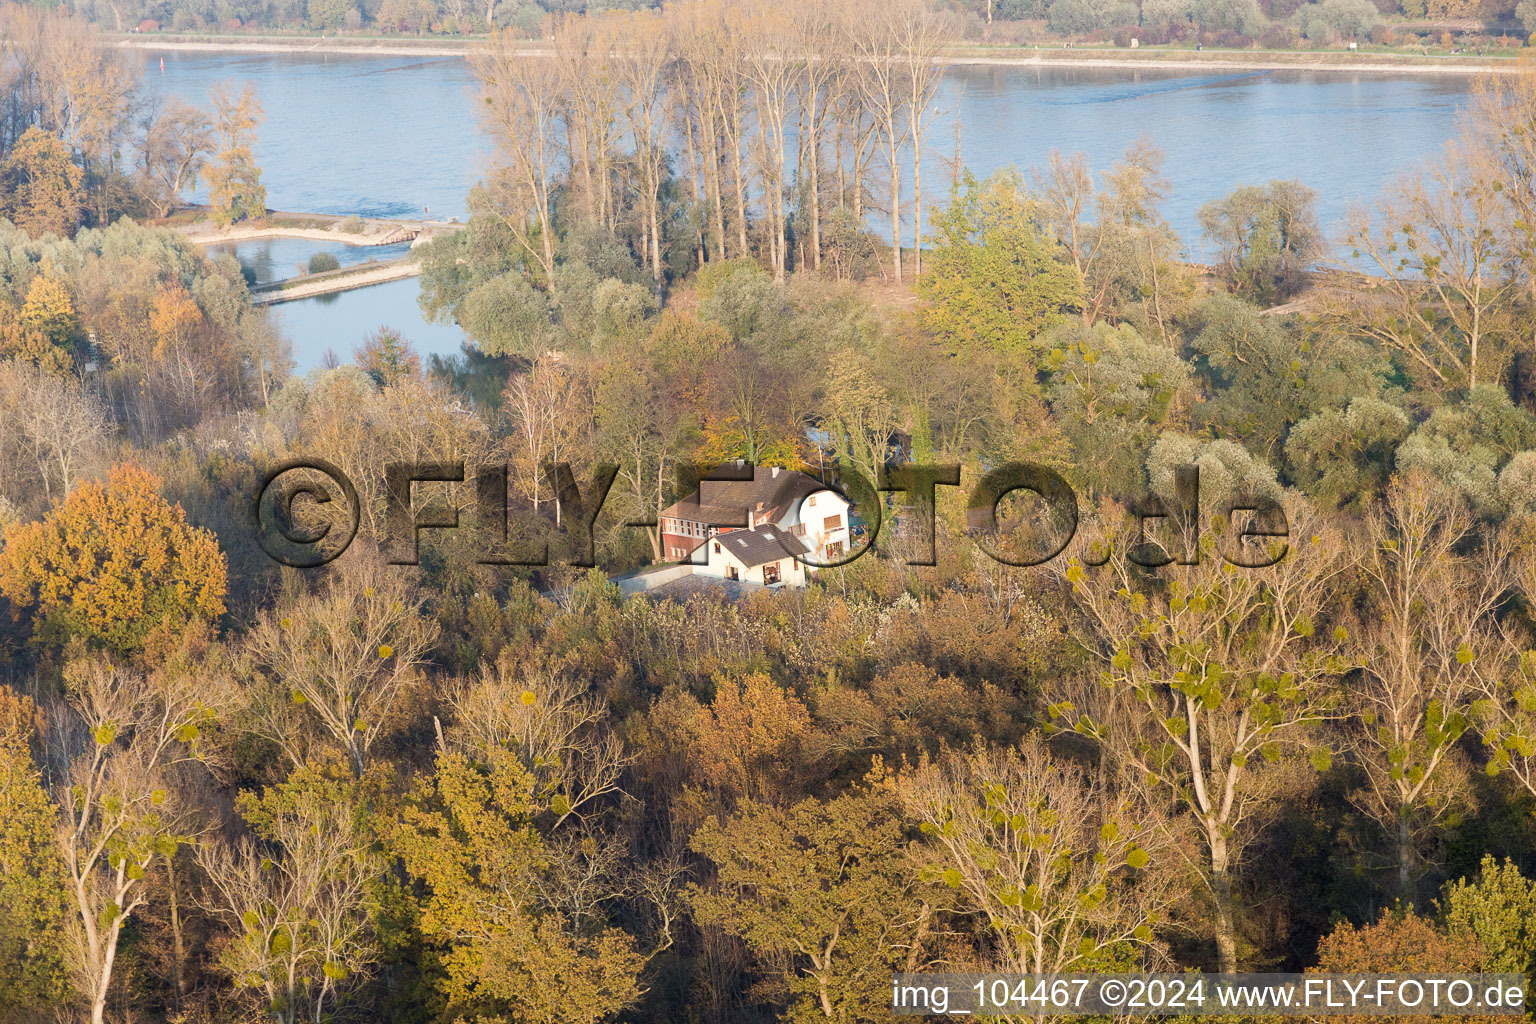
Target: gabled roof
765,544
725,502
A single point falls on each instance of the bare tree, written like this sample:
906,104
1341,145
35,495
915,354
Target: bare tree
115,762
522,99
584,57
818,40
547,420
643,64
58,427
771,66
1426,650
176,146
1439,244
921,33
295,905
1229,670
1062,870
875,30
347,657
552,724
702,75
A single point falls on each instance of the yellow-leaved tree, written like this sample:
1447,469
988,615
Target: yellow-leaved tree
40,185
510,948
114,564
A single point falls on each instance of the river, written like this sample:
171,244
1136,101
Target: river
397,137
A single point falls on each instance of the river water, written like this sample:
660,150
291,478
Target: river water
397,137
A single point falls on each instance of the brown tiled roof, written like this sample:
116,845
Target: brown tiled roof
765,544
724,502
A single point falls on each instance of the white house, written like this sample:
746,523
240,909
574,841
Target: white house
763,530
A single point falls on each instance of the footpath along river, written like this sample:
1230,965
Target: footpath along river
396,136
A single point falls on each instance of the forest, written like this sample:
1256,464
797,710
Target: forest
234,791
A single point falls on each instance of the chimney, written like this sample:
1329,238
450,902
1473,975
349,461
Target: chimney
775,472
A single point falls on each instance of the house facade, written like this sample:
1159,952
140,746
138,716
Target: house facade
752,530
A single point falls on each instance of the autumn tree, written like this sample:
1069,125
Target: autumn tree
387,357
993,282
114,565
553,727
752,737
45,331
235,191
40,185
1400,942
468,834
826,892
32,886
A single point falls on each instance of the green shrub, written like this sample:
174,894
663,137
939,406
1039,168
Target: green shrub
320,262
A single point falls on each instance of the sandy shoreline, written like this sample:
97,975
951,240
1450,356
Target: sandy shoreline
1226,60
245,234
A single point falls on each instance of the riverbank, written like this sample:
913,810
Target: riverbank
1107,57
320,227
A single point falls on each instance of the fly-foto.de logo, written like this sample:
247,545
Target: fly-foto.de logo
307,513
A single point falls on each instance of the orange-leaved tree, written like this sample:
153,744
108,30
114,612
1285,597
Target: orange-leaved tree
112,565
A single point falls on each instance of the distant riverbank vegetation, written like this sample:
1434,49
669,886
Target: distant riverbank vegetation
1410,25
461,792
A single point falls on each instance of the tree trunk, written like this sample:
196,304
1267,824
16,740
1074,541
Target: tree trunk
178,947
917,201
1221,892
895,212
1404,856
104,980
815,155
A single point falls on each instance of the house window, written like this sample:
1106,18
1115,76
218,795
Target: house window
717,547
811,501
832,523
